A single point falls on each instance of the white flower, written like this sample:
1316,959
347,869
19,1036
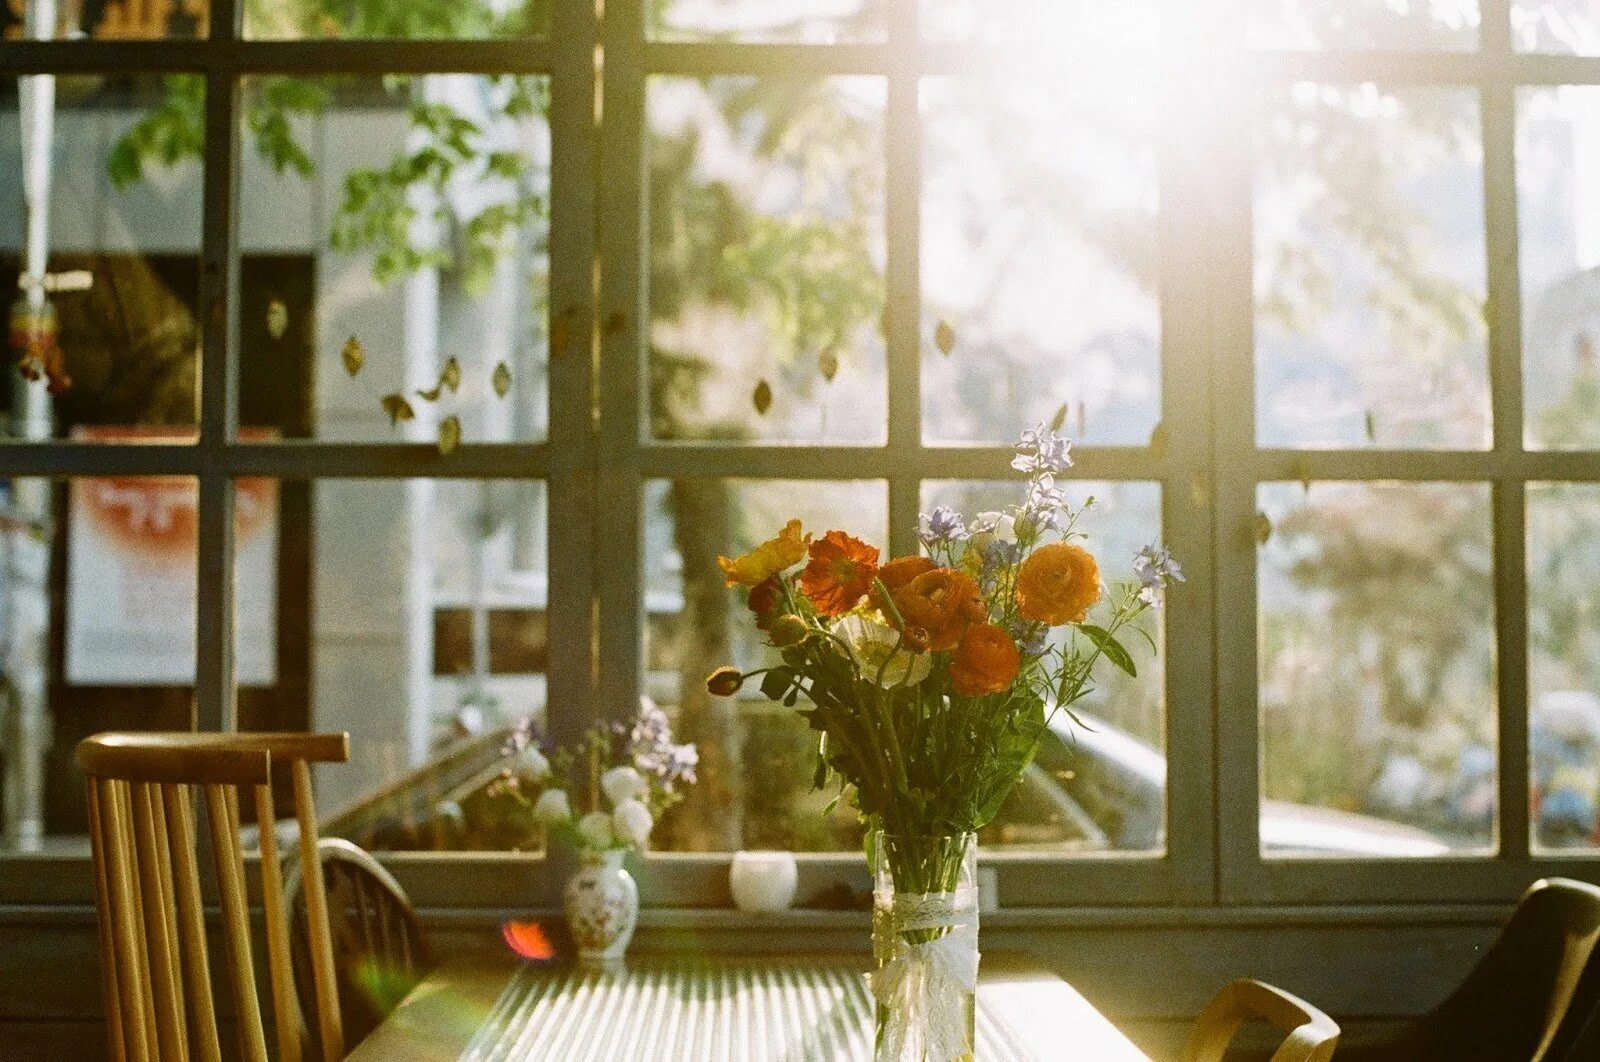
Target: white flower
1003,526
552,807
871,643
632,822
533,763
622,783
595,830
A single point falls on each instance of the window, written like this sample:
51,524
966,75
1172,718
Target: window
420,368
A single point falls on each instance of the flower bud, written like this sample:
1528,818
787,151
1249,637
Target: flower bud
724,682
788,630
914,638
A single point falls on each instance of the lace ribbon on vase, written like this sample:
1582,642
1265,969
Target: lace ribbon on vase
924,985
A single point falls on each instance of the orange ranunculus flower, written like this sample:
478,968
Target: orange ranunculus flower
985,662
767,559
840,571
944,603
896,574
1057,584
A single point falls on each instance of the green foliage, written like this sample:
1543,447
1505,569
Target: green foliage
174,131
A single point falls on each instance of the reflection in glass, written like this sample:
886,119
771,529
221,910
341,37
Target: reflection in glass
112,20
1383,24
1558,216
97,632
1571,26
410,215
1564,663
1100,787
750,21
1039,252
766,259
756,757
1370,270
410,613
1376,668
100,222
395,19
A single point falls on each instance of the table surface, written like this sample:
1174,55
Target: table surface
708,1009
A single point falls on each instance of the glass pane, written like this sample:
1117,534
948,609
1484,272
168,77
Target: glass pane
397,19
410,613
766,259
1558,215
1101,787
1039,259
751,21
114,20
97,623
1383,24
1556,26
395,239
100,219
1564,662
1055,31
756,757
1370,270
1376,642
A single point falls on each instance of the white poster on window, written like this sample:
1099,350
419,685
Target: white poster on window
132,574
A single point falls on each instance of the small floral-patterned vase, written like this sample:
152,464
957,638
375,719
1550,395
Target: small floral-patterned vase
602,903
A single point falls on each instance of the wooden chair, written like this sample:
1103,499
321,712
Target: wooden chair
1528,998
380,952
155,961
1312,1035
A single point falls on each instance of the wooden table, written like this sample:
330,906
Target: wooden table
700,1009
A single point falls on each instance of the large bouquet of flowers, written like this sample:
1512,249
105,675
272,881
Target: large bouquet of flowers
930,680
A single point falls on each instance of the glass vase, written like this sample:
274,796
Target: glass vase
924,946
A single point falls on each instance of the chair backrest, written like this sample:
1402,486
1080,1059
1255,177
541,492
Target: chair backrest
380,952
1312,1035
155,961
1524,998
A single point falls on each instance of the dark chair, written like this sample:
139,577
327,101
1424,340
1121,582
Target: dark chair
379,951
1527,1000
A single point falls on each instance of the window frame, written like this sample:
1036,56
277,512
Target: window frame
599,455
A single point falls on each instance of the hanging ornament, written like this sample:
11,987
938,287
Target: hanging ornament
449,434
501,380
828,364
944,337
761,398
354,355
277,318
35,339
398,408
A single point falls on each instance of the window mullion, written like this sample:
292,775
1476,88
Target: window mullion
903,280
215,701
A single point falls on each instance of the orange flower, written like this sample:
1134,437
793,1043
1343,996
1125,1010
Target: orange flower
986,661
1057,584
944,603
840,571
763,600
767,559
896,574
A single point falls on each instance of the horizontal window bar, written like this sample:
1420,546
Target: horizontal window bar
850,462
515,56
1517,465
287,460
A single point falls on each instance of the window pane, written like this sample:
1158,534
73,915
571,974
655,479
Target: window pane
97,622
750,21
756,757
412,20
1376,642
1100,787
104,204
409,214
116,20
1383,24
1558,215
1039,259
1564,662
1064,32
1370,270
766,259
1556,26
410,613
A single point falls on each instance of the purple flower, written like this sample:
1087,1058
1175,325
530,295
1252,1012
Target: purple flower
1155,567
1031,638
941,526
1041,451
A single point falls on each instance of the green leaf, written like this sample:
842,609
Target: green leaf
1107,644
775,683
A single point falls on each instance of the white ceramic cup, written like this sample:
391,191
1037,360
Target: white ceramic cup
763,882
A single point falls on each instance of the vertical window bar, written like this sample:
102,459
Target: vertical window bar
903,280
1505,381
570,537
623,330
219,289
